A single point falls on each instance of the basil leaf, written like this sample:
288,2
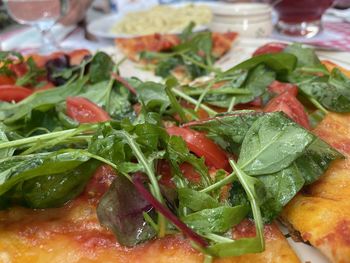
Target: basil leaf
272,144
56,189
216,220
195,200
121,210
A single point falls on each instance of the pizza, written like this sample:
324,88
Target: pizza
96,167
184,57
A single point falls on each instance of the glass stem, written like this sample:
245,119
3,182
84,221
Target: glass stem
49,43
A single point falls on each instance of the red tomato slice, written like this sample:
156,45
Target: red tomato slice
11,93
163,169
273,47
277,88
38,59
77,56
85,111
200,145
5,80
290,105
19,69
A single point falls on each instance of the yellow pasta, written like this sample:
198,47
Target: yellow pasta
162,19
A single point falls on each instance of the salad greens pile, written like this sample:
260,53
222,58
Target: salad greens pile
47,158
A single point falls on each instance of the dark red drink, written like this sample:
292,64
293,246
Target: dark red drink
300,17
296,11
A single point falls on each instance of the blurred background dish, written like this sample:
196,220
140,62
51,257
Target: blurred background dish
248,19
158,19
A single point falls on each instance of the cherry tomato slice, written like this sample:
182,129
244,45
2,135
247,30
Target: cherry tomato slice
200,145
163,169
77,56
277,88
273,47
6,80
20,69
85,111
11,93
290,105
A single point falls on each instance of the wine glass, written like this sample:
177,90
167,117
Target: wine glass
41,14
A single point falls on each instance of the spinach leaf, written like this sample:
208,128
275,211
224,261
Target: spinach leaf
216,220
256,83
121,210
315,160
4,153
306,57
18,169
334,94
10,113
272,144
164,67
153,96
195,200
228,130
56,189
281,63
280,187
100,67
114,99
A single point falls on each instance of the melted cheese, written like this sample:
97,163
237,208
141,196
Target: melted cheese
73,234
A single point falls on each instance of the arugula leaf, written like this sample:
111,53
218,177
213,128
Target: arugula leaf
31,77
195,200
255,193
272,144
121,210
7,58
216,220
56,189
178,153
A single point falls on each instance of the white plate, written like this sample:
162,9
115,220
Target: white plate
101,27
